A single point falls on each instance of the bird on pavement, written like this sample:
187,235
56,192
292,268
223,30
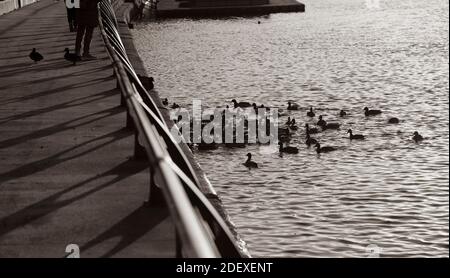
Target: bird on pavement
71,57
35,56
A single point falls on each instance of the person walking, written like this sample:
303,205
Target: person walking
71,18
87,20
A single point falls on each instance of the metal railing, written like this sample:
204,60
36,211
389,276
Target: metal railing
200,230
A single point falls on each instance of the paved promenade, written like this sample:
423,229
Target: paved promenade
66,169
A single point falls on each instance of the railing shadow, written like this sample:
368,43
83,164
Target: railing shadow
129,229
64,105
51,203
59,127
59,89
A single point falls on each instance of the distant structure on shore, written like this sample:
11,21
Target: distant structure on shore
205,8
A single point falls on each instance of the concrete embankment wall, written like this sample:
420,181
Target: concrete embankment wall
125,11
7,6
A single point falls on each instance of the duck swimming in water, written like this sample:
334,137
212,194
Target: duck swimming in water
242,104
312,130
355,136
288,121
417,137
369,112
165,102
292,125
310,112
310,141
151,86
393,120
292,106
284,134
342,113
287,149
249,163
332,126
174,106
324,149
321,122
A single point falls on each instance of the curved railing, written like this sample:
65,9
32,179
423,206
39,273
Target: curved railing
200,230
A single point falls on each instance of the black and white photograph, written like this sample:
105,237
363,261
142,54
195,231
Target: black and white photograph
253,130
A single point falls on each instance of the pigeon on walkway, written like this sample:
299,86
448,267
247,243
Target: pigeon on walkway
35,56
71,57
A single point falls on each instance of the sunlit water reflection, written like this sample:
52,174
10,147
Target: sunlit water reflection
386,190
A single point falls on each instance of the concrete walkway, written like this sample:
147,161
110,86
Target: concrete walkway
67,175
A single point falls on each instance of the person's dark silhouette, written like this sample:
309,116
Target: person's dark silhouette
87,20
71,18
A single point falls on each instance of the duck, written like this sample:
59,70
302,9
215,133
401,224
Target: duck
310,112
292,125
342,113
288,121
284,133
174,106
312,130
417,137
151,86
179,119
35,56
332,126
242,104
249,163
369,112
310,141
255,107
324,149
165,102
355,136
321,122
71,57
287,149
393,120
292,106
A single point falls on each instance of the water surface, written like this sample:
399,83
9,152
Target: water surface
386,194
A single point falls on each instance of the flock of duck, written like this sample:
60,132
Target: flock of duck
322,126
285,133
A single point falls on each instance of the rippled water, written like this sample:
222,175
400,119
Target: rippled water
386,194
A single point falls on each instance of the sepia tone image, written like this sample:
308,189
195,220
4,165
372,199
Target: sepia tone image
224,129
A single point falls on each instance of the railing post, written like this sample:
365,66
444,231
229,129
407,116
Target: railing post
139,150
123,102
129,121
178,246
155,196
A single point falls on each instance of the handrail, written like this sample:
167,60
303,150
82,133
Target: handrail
200,230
